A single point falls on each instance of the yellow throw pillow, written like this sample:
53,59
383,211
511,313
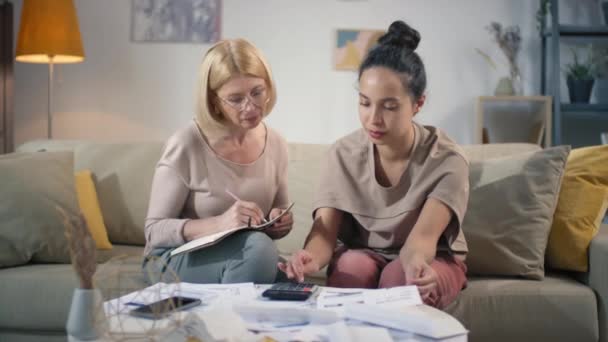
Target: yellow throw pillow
582,204
89,206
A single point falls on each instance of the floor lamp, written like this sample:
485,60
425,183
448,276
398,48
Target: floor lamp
49,34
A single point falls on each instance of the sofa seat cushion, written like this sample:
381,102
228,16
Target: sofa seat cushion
501,309
120,251
37,297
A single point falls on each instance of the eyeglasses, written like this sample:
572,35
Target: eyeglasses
258,98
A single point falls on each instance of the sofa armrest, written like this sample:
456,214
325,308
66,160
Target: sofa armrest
597,278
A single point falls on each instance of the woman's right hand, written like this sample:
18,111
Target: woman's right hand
241,213
300,264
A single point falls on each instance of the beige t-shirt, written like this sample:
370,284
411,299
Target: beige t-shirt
191,180
381,218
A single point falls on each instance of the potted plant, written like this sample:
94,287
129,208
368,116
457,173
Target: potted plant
579,77
604,4
599,58
542,15
509,42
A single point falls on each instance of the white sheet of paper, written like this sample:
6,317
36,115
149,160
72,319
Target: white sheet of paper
240,291
404,295
264,318
367,333
335,298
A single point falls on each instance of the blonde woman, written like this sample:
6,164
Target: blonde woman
227,152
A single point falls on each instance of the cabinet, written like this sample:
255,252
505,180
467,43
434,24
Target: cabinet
575,124
505,119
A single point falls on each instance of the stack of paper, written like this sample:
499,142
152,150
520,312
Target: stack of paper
422,320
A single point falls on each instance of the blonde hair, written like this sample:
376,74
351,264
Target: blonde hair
226,59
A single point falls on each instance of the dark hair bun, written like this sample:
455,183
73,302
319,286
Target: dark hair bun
401,35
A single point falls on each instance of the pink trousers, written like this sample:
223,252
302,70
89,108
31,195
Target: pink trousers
364,268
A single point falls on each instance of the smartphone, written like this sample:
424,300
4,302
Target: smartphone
165,307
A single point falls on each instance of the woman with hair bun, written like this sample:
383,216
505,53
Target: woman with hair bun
392,196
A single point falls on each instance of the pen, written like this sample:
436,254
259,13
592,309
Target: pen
292,324
236,198
332,294
134,304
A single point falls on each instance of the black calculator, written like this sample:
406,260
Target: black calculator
290,291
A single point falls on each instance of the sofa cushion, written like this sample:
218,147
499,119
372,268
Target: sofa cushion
479,152
581,207
123,174
304,168
34,185
555,309
89,206
120,251
511,206
26,305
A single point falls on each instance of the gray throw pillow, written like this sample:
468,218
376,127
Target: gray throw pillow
33,186
510,211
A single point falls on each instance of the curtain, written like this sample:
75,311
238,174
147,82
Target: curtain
6,77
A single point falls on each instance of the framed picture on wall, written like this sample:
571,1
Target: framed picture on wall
352,45
176,21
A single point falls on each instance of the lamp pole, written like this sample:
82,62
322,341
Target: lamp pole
49,120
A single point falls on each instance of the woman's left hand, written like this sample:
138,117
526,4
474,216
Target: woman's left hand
282,227
418,272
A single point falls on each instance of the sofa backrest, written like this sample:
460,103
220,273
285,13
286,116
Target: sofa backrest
123,176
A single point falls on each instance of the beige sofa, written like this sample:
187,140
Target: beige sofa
35,298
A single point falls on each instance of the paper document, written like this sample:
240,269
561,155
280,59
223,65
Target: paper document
212,239
403,295
263,318
331,298
420,319
207,293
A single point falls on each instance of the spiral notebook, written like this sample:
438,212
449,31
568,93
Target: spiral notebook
212,239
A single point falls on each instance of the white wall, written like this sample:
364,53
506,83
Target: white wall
134,91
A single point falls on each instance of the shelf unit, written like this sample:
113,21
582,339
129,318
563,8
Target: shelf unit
575,124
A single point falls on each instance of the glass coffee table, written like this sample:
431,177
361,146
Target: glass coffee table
239,312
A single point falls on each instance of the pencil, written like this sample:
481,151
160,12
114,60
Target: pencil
232,195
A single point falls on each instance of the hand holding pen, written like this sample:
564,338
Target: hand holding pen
242,213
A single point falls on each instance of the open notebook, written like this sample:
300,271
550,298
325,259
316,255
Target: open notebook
212,239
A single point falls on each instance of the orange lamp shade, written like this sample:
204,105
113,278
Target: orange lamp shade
49,29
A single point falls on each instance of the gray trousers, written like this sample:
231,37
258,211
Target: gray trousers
246,256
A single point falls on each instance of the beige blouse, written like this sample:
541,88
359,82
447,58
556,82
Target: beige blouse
381,218
190,182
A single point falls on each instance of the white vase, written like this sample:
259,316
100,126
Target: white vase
86,320
504,87
600,91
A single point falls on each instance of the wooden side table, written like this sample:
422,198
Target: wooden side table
507,119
